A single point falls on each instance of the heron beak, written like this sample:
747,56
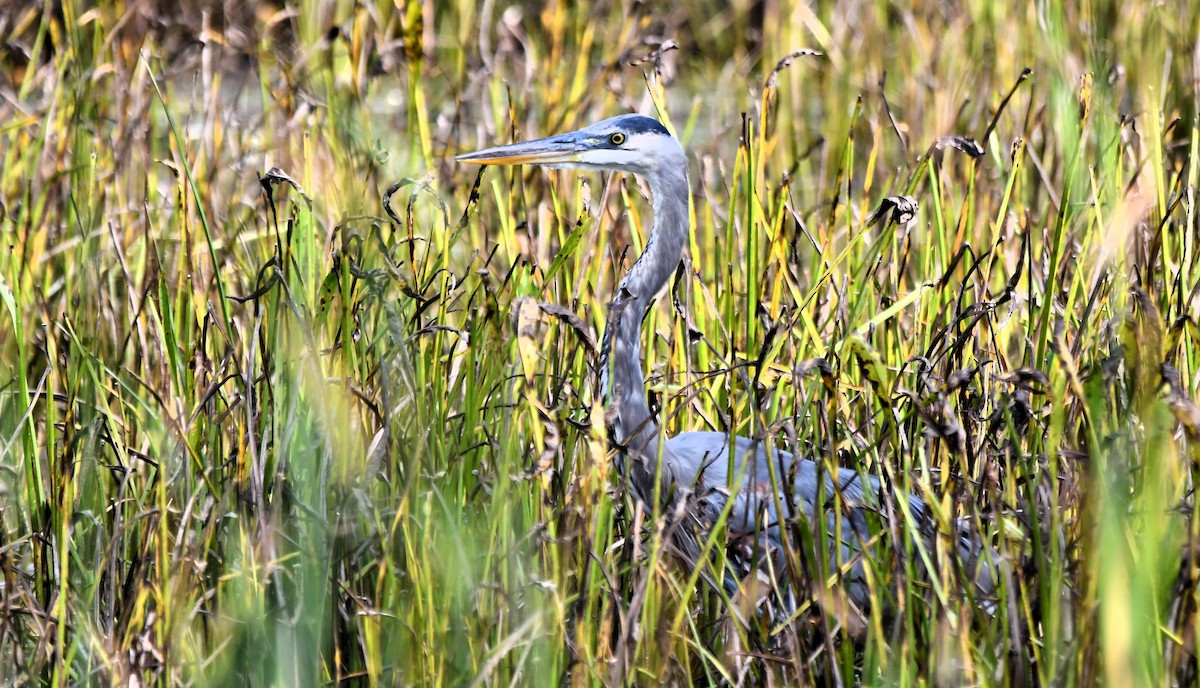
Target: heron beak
552,150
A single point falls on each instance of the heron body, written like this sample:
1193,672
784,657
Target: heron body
696,465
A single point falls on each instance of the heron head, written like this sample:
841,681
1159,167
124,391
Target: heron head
627,143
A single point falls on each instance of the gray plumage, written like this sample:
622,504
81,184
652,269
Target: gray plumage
696,471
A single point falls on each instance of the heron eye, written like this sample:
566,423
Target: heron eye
617,138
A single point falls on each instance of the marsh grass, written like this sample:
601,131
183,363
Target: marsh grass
289,398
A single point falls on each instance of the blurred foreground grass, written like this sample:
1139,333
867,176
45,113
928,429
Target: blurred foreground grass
254,430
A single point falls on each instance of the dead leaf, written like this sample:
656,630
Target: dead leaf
902,208
526,311
964,144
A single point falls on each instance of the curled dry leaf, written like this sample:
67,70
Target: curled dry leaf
655,55
805,367
787,62
960,378
1026,378
274,177
964,144
902,208
573,321
1181,405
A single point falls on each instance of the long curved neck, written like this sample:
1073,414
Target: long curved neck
623,387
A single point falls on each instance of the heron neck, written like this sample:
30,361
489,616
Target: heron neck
622,385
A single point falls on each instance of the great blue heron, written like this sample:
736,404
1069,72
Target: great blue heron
696,465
